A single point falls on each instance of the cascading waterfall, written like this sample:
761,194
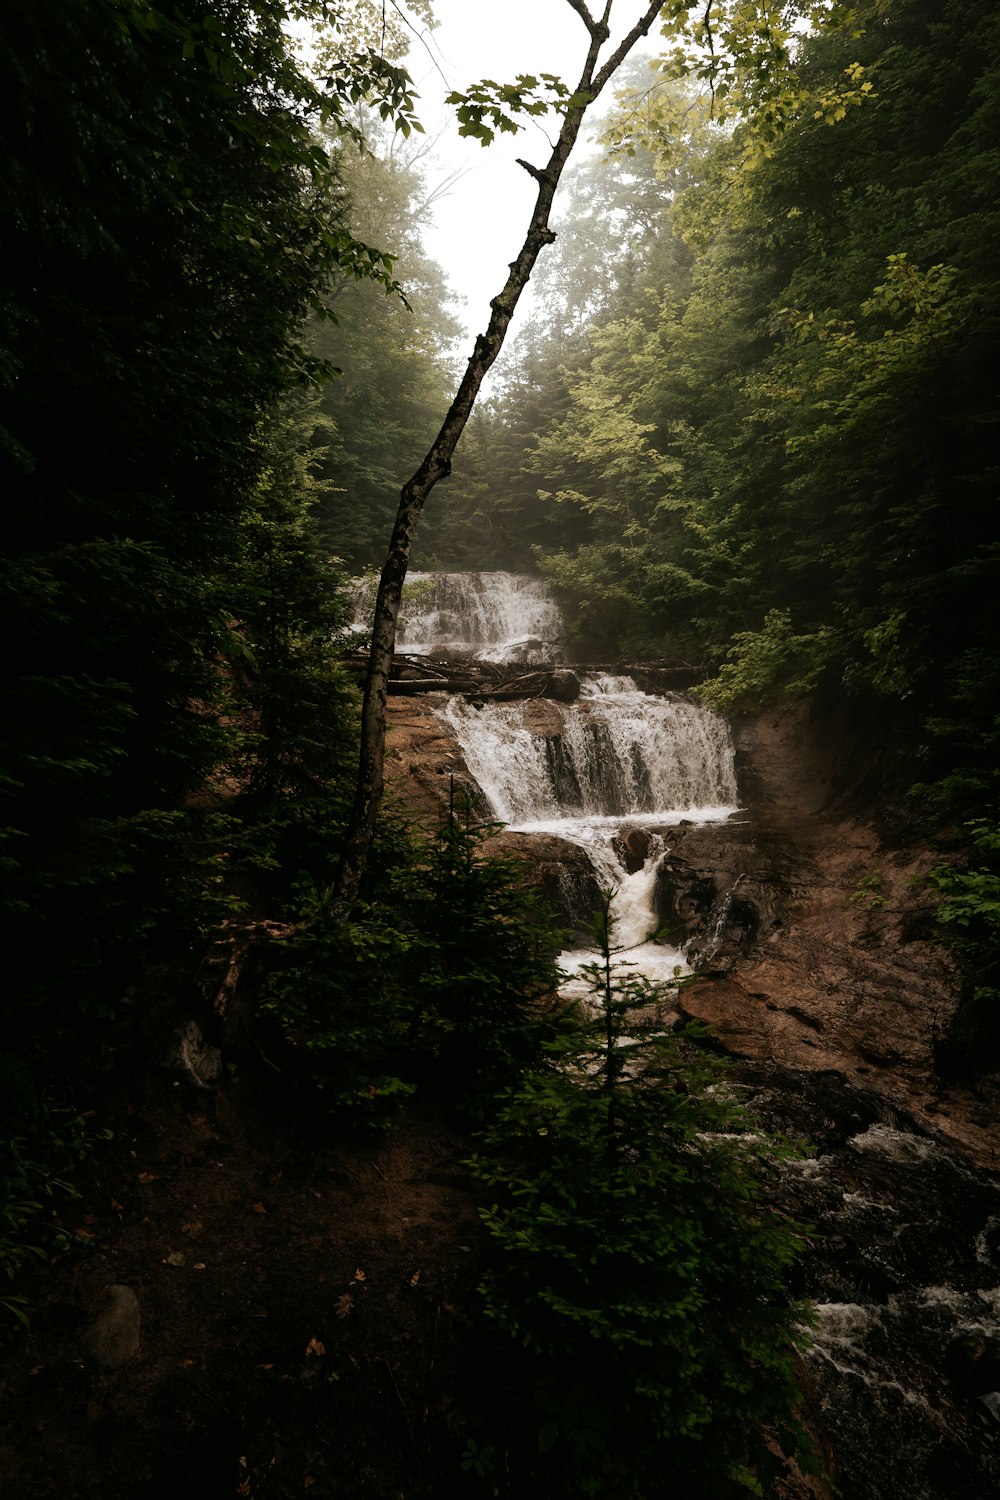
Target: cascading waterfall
904,1275
616,758
618,754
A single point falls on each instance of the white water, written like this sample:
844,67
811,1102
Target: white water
620,755
495,616
617,759
622,759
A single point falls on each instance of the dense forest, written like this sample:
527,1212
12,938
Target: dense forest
754,422
750,424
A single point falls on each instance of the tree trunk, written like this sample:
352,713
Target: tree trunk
437,464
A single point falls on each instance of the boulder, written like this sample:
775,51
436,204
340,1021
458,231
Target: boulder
189,1053
560,869
111,1338
632,847
563,686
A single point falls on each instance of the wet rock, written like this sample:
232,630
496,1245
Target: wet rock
544,717
111,1338
563,686
189,1053
632,847
422,757
725,887
562,871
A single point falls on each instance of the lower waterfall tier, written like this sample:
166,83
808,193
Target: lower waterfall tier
583,772
610,755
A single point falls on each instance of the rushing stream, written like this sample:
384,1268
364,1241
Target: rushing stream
904,1368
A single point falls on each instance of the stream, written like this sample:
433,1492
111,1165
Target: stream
903,1373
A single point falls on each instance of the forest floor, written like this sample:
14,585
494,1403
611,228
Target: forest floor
306,1307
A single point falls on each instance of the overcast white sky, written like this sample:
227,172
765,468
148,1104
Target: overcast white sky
478,227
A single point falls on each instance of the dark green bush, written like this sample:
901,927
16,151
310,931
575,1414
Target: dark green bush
970,918
41,1146
432,978
634,1259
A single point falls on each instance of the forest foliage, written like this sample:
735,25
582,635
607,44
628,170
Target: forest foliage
754,419
752,423
177,732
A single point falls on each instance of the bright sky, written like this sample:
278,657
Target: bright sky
478,227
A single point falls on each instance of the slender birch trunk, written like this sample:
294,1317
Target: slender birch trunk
437,463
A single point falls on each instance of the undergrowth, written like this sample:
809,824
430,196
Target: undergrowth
42,1144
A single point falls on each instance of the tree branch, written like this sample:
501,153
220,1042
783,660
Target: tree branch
583,13
534,172
640,29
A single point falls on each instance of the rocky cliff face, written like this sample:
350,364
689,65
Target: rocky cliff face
813,940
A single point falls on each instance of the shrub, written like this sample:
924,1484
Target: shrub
633,1257
970,918
432,976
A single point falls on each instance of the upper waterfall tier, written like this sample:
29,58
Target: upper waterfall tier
495,616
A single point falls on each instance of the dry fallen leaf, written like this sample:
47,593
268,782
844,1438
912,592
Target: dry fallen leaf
148,1177
315,1347
118,1207
259,1208
175,1258
360,1276
344,1306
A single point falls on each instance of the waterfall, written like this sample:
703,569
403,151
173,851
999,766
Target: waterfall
608,757
616,760
589,772
494,616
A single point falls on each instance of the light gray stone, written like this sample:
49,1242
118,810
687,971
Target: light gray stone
190,1054
111,1338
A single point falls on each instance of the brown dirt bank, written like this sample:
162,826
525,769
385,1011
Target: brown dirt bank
843,971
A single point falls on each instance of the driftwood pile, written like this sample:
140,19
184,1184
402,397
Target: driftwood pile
504,681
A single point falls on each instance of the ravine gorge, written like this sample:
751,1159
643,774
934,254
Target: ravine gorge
717,839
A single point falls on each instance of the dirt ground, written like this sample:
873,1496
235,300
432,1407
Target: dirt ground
306,1312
